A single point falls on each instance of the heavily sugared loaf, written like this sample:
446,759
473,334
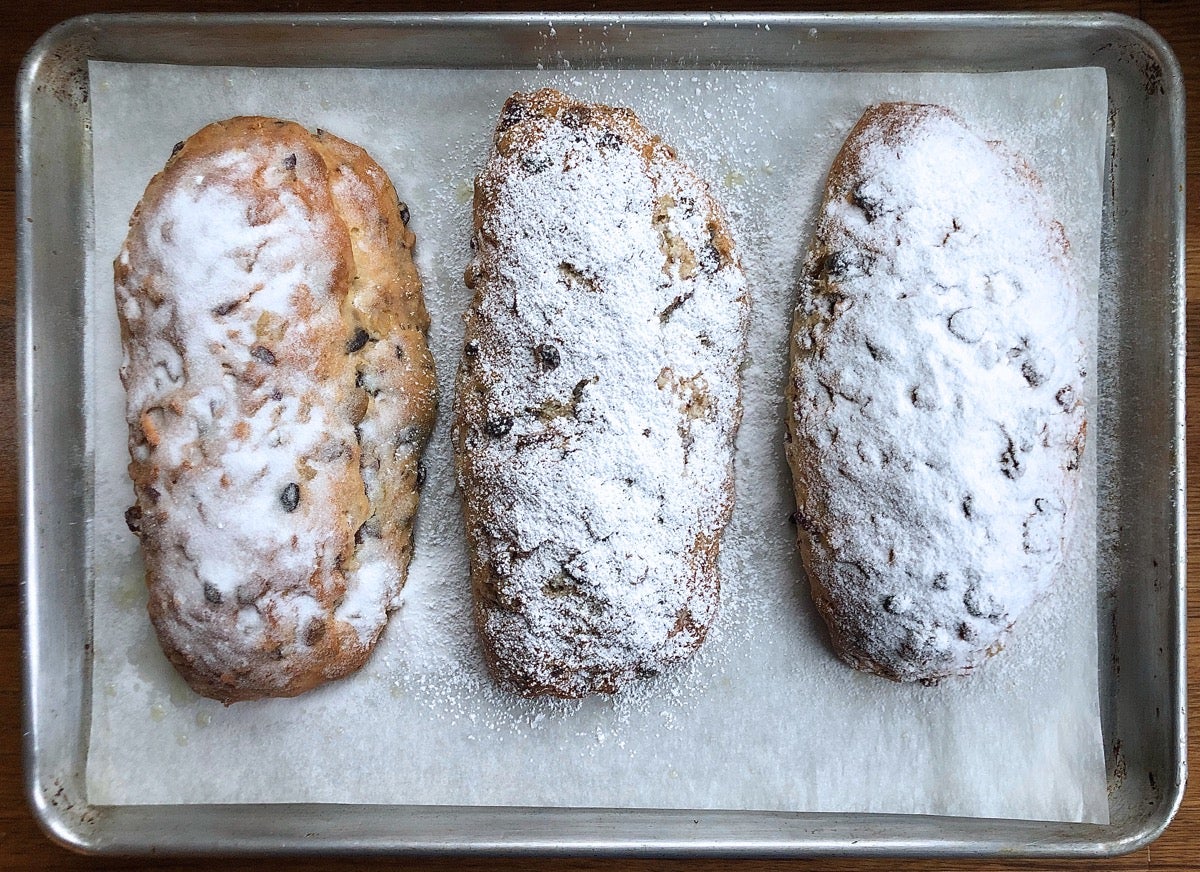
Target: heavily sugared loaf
280,391
597,400
936,423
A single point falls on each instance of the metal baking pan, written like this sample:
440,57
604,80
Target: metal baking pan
1141,535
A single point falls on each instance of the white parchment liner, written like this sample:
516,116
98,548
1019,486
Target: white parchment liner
764,717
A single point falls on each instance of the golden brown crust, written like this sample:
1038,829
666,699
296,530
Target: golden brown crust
279,393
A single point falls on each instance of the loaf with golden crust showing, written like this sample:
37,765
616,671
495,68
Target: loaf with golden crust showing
597,400
279,394
936,421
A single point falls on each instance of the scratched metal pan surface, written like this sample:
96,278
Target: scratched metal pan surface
1142,531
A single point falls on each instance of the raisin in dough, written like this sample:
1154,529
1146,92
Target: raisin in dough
598,399
936,423
279,393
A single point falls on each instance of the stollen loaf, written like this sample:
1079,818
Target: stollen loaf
935,421
279,394
597,400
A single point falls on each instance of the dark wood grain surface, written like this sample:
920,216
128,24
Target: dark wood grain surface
24,847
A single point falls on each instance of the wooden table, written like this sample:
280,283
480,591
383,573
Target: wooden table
22,845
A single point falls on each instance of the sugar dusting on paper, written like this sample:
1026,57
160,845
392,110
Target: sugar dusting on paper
763,717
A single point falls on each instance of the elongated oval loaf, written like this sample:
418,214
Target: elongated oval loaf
279,394
936,423
598,399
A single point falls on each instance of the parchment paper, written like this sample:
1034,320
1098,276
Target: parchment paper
764,717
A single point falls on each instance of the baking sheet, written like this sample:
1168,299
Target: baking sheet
764,717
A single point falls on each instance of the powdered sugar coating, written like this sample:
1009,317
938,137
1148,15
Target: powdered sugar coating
598,399
936,427
266,399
